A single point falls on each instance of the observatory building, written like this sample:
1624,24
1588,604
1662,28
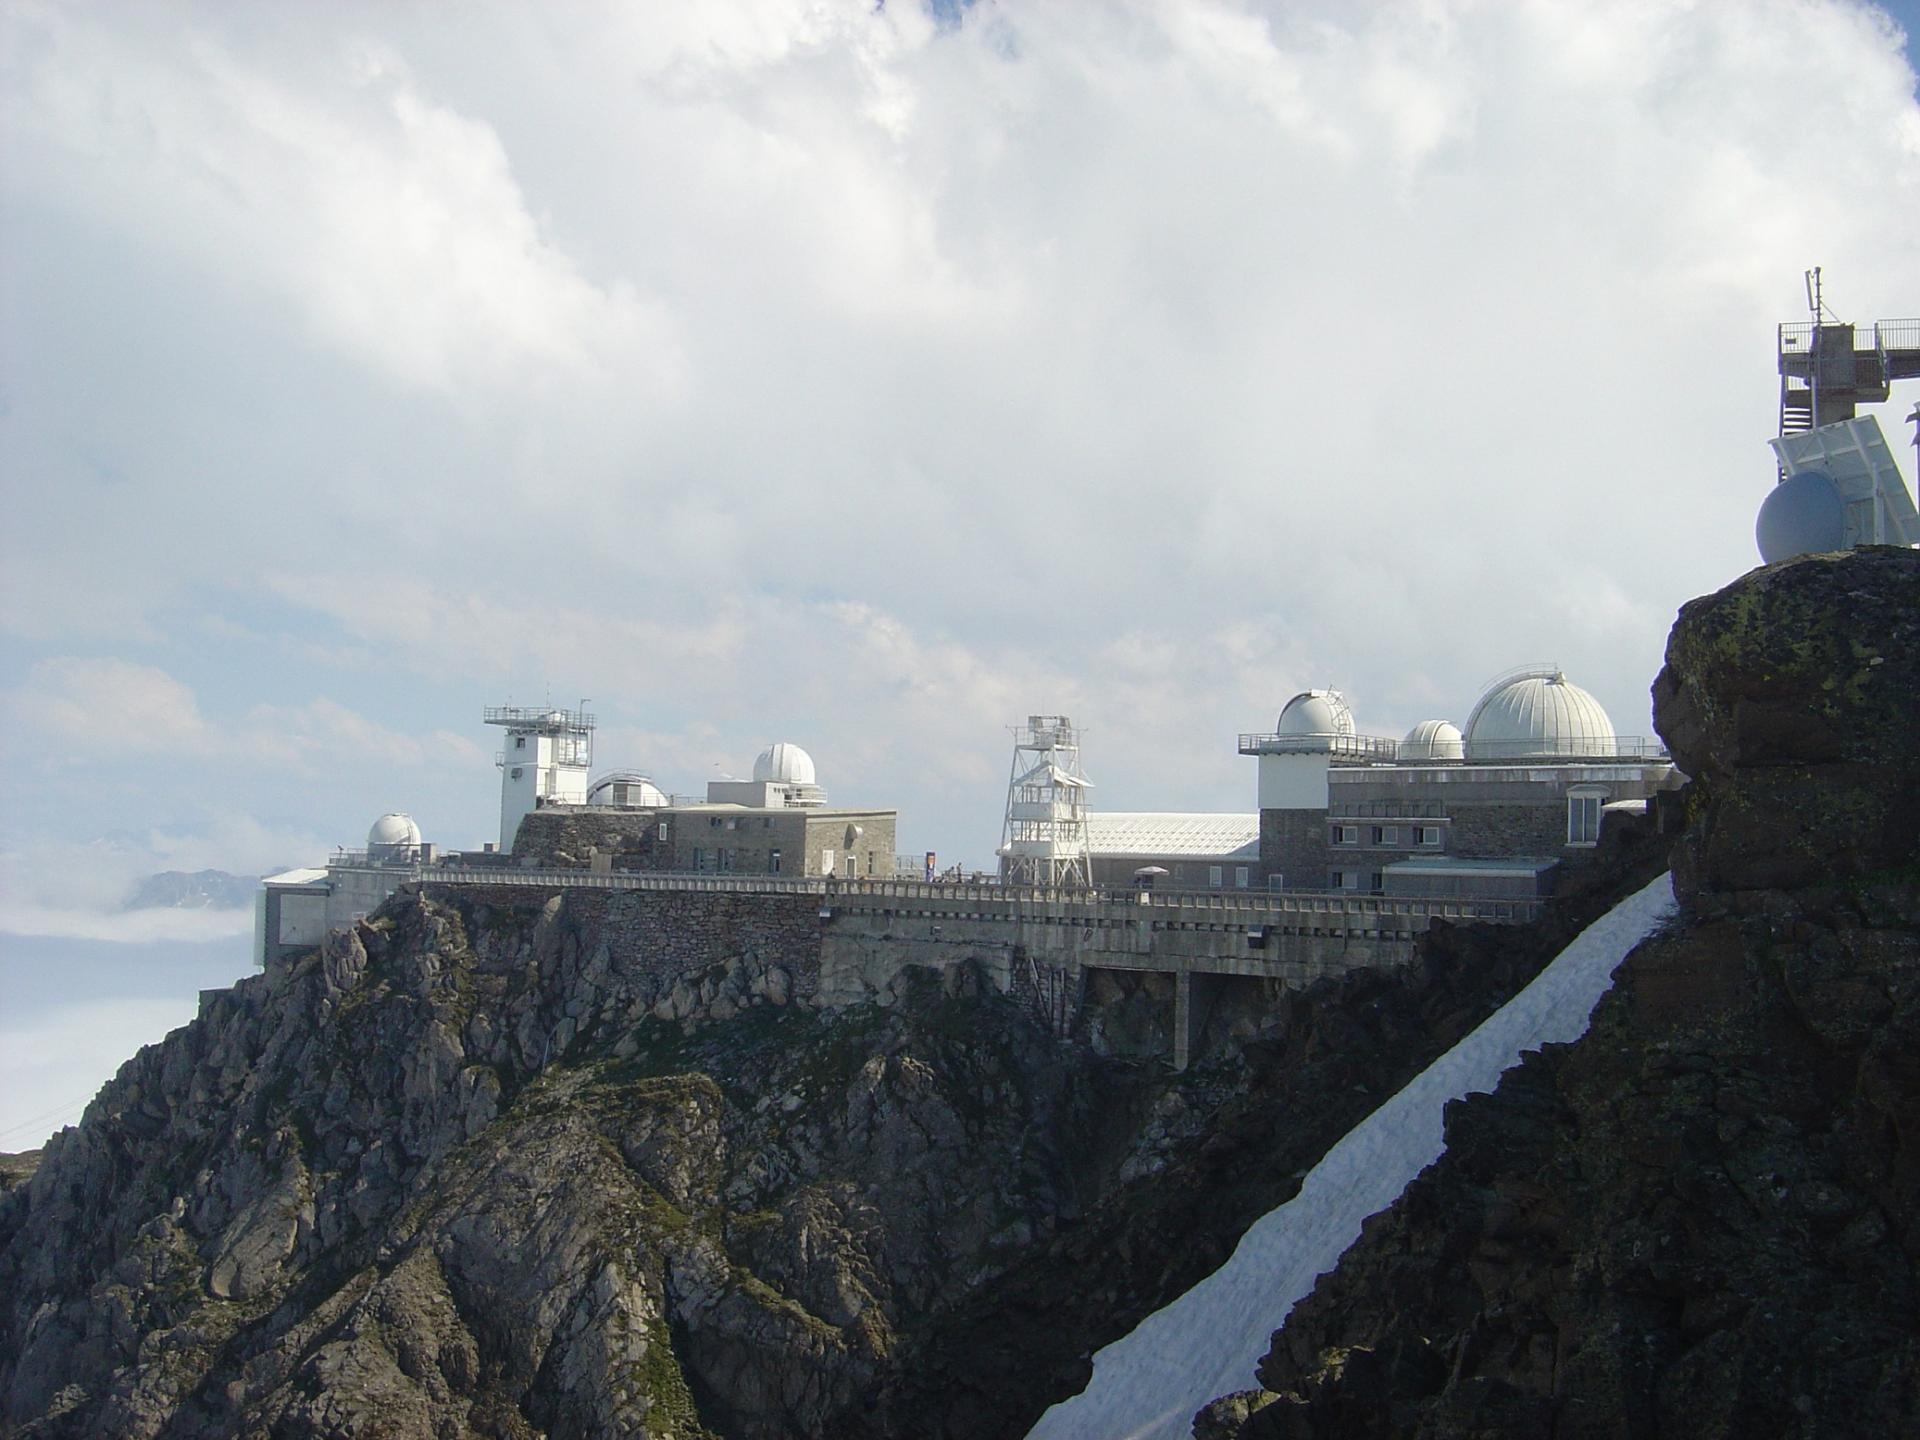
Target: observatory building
1488,810
293,910
777,823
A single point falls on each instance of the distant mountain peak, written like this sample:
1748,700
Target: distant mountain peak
193,890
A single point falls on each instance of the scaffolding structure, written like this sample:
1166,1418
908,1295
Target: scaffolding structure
1044,839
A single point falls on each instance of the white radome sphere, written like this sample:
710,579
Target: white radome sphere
391,830
1433,740
784,763
1316,712
1538,714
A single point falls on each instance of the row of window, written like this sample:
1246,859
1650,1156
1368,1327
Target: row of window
832,862
1583,828
1427,836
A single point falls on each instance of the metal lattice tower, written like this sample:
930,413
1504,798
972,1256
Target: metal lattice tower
1044,839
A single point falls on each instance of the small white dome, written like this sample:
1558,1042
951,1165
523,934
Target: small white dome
393,830
1537,713
1316,712
785,763
626,789
1433,740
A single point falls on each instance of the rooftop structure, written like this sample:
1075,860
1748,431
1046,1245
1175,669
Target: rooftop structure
1044,838
1839,485
783,774
626,790
1537,712
544,760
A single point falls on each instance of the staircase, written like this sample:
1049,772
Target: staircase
1796,410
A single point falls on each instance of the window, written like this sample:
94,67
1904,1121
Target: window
1213,876
827,860
519,742
871,863
1583,818
699,858
1384,835
1346,834
1240,877
1426,835
773,861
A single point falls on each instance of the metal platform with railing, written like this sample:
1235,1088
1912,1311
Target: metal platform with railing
994,899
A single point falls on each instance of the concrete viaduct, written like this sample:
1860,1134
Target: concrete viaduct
1043,943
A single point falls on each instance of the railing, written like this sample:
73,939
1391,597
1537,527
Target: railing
1361,747
1374,747
1114,904
538,717
1797,339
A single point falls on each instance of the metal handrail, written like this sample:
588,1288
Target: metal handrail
1112,904
1796,337
1366,747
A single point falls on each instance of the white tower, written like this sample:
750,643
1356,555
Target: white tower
1044,841
545,760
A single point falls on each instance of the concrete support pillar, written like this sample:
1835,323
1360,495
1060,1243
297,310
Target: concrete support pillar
1182,1019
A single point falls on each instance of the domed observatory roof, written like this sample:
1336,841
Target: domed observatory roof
1433,740
1316,712
784,763
626,790
394,839
1538,713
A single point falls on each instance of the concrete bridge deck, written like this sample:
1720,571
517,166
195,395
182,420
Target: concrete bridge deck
1044,942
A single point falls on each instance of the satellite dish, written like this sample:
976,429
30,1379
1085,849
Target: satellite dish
1803,515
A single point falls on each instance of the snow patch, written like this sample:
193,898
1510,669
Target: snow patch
1148,1384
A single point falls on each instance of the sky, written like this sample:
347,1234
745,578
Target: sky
869,378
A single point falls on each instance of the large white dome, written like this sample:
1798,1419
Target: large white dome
1316,712
1538,713
788,764
393,830
1433,740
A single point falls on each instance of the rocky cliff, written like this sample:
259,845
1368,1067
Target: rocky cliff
494,1164
1703,1219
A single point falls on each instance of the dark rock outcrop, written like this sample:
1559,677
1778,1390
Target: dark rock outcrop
1703,1219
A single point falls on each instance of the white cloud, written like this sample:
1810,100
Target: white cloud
392,223
130,927
779,369
101,705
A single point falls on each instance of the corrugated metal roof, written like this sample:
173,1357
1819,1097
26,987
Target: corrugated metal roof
1161,832
306,875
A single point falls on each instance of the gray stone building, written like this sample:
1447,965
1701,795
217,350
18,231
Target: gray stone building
1494,809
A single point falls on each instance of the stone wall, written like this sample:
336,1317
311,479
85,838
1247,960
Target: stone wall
1293,844
559,837
1499,831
